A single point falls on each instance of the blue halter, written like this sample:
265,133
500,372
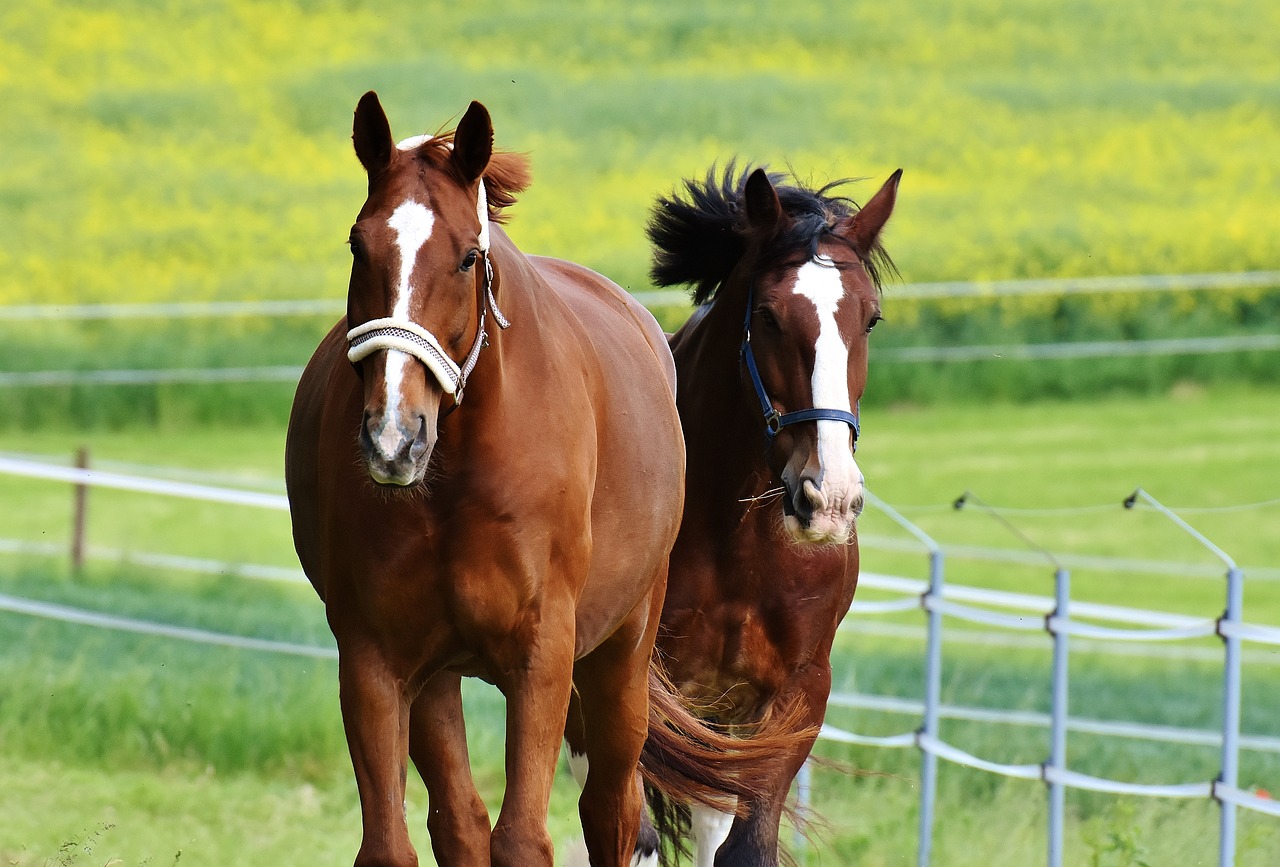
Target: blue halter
775,421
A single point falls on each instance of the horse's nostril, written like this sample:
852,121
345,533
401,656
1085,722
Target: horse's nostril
419,444
814,494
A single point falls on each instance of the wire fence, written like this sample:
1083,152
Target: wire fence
1070,350
944,289
900,355
1061,622
1060,618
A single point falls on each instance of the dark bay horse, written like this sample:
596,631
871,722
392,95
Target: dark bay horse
770,367
520,536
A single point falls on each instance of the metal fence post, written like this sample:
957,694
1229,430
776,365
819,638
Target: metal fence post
932,698
1231,716
1058,719
932,678
1233,614
1058,711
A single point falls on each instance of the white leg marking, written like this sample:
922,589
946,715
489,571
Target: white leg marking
650,860
578,764
710,829
576,853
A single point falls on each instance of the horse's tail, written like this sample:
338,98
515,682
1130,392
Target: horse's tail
689,761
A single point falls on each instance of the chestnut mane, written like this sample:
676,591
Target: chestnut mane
506,175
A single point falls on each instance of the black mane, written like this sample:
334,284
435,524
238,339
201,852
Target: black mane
699,239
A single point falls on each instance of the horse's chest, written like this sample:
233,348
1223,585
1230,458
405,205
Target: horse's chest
752,620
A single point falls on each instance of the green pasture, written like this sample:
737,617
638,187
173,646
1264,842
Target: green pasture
154,746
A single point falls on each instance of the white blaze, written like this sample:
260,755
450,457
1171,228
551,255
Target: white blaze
412,222
819,281
413,143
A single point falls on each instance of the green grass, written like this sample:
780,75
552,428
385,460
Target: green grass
174,748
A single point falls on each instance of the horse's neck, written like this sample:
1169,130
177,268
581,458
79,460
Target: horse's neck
724,437
513,277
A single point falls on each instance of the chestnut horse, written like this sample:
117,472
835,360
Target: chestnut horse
770,367
520,536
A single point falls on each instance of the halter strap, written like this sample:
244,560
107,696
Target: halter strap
775,421
410,337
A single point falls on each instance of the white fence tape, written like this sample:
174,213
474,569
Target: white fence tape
958,756
66,614
911,354
981,615
154,376
944,289
1248,800
1072,561
1035,719
142,484
1076,780
1087,630
839,735
1251,632
1083,349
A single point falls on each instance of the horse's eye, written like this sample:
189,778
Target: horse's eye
357,248
874,319
469,260
767,319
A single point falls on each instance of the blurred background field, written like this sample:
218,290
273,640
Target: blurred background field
160,150
200,152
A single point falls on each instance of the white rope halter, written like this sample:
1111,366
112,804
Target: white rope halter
408,336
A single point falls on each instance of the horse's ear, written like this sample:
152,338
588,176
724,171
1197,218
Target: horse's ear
473,142
763,209
863,228
371,134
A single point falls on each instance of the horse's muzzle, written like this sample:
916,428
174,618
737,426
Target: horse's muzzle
813,515
395,454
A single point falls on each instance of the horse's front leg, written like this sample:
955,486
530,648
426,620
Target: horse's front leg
375,714
456,818
537,705
753,839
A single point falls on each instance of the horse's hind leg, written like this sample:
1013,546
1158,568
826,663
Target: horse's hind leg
645,853
612,683
456,818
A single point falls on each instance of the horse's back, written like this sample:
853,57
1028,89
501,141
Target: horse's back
606,309
639,484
